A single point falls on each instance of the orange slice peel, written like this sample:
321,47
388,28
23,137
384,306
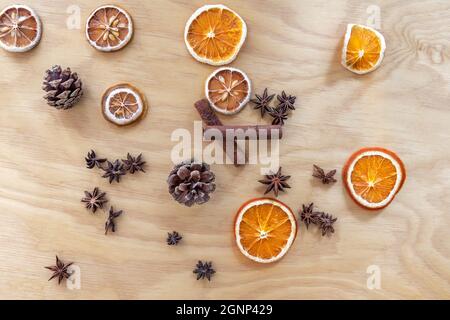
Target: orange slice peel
214,34
109,28
363,49
20,28
123,104
228,90
373,177
265,229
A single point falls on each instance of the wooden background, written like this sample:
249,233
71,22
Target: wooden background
292,45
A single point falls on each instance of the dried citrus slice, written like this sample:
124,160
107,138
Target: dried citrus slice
373,176
228,90
123,104
265,229
363,49
214,34
20,28
109,28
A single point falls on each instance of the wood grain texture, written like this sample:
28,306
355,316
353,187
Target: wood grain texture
292,45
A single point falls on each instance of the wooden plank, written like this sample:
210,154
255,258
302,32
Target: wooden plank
292,45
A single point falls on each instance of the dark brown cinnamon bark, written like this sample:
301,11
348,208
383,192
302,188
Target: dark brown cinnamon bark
210,119
248,132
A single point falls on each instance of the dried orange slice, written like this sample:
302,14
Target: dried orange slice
228,90
265,229
363,49
123,104
109,28
373,176
20,28
214,34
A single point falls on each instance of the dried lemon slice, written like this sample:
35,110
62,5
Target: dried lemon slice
228,90
123,104
20,28
109,28
214,34
363,49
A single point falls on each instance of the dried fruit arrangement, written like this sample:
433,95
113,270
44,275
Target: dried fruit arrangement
264,228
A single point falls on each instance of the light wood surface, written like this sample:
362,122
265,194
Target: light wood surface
292,45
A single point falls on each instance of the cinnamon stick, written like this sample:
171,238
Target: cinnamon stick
248,132
209,118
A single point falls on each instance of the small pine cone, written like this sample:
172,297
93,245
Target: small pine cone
63,88
191,183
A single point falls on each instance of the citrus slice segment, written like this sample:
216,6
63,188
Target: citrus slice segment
228,90
20,28
373,176
214,34
109,28
265,229
363,49
123,104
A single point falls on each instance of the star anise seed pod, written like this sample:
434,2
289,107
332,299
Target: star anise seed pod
92,160
286,101
326,222
110,222
204,270
326,178
94,199
173,238
308,215
59,270
262,102
134,164
114,171
276,182
279,115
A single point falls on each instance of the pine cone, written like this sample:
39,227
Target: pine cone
63,88
191,183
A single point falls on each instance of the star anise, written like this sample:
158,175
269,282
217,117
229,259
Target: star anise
134,164
173,238
276,182
262,102
204,270
326,222
326,178
59,270
308,215
286,101
110,222
114,171
94,199
279,115
92,160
